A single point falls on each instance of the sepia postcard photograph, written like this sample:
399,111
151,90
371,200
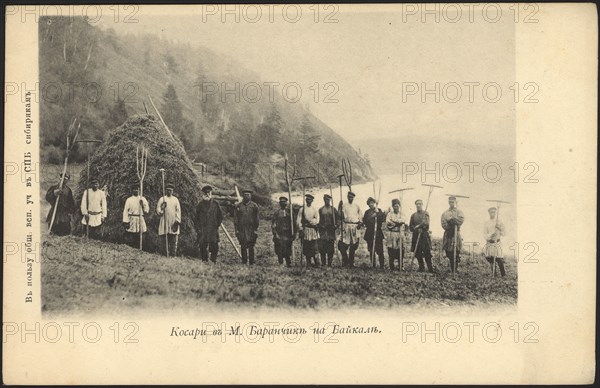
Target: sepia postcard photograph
314,193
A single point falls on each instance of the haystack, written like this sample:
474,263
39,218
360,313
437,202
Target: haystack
114,165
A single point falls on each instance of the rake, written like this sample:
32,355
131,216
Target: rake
141,159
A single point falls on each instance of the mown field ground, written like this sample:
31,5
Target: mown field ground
81,276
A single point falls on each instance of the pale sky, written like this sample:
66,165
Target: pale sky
369,54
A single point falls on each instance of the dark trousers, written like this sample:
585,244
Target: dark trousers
283,249
132,239
247,252
95,232
61,228
173,239
393,255
423,251
309,250
326,250
450,255
500,262
427,261
347,256
378,252
205,247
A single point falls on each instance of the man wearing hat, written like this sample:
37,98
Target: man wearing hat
135,208
169,210
245,221
451,218
328,223
395,225
351,216
493,230
65,207
93,208
208,220
373,220
283,236
419,225
308,220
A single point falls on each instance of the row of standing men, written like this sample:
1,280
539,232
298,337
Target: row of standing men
318,229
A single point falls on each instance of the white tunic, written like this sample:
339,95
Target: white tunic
493,249
394,236
173,214
352,216
95,207
311,216
131,213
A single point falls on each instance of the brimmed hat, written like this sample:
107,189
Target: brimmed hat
283,199
247,191
309,196
418,200
351,194
94,180
327,196
492,208
170,186
451,197
207,189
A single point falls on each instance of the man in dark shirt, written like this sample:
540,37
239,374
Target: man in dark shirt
64,209
245,220
281,227
208,220
328,222
419,226
374,219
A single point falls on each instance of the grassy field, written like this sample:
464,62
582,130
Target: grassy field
90,276
81,276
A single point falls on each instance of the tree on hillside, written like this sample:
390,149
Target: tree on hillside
269,132
172,113
171,66
309,139
117,114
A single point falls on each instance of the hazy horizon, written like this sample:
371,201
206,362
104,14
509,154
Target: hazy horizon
368,56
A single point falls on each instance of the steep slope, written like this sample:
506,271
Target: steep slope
234,133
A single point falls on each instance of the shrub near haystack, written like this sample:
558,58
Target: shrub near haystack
114,165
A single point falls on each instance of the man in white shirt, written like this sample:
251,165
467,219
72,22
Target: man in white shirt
307,221
395,225
351,220
493,230
135,208
169,210
93,208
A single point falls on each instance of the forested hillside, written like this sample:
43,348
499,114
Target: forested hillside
101,78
